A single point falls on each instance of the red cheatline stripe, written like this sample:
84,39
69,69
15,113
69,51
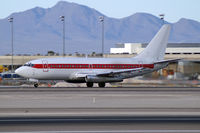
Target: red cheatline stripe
92,66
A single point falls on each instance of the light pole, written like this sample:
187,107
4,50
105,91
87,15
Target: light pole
62,18
162,16
11,21
101,19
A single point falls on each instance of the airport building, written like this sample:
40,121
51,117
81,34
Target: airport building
172,48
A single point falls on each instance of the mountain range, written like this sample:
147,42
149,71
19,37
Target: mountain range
39,30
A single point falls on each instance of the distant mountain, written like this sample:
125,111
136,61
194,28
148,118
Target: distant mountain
186,30
39,30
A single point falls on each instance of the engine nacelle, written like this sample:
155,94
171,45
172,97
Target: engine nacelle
97,79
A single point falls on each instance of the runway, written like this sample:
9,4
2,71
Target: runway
136,98
118,126
104,127
86,89
132,109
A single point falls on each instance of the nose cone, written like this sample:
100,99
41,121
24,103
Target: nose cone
20,71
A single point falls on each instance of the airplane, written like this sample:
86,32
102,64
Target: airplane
100,70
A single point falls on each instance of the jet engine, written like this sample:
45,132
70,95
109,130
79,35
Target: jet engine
98,79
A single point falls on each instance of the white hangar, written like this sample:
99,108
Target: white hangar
172,48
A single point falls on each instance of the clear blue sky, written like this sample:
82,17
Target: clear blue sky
173,9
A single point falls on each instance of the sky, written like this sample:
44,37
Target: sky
173,9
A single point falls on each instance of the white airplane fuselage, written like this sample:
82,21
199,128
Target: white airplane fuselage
64,68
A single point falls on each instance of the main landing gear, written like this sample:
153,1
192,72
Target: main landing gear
102,84
90,84
36,85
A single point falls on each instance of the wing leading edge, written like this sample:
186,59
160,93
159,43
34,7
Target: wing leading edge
108,74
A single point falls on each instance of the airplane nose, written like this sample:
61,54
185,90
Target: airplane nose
19,71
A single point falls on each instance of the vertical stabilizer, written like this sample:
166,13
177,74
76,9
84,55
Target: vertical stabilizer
155,50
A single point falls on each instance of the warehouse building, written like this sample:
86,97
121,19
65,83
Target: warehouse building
172,48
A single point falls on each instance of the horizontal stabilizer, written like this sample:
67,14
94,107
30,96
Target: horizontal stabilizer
167,61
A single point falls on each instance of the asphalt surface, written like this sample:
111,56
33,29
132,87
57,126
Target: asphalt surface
132,109
118,126
134,98
85,89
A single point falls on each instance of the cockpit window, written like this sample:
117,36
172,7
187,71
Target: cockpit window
26,64
29,64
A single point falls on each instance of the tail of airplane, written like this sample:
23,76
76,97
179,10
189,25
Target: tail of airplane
155,50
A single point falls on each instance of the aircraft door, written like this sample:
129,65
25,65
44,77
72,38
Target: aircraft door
45,66
140,63
91,67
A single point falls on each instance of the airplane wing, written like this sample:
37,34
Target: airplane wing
108,74
112,73
124,72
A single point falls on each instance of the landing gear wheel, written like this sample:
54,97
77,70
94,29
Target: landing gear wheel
89,84
102,84
35,85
